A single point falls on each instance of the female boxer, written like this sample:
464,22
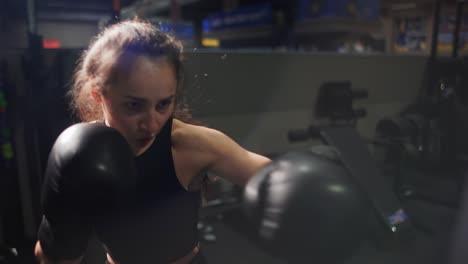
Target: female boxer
129,79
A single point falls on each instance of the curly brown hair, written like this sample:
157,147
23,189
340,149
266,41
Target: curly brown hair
108,57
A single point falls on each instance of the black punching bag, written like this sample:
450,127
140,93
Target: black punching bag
307,208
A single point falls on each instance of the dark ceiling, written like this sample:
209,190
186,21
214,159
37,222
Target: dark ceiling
193,10
11,9
91,9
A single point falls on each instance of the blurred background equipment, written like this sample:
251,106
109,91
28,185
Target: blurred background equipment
430,135
334,107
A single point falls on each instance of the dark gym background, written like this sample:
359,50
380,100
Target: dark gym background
256,82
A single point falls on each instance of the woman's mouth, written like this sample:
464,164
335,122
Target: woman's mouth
145,141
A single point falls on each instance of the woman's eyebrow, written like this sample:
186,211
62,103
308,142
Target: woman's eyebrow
167,98
135,98
140,99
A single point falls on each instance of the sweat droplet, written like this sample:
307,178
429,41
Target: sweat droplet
196,76
205,74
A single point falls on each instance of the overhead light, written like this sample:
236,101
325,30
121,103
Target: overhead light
210,42
51,44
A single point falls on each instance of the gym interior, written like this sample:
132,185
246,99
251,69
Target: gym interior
383,82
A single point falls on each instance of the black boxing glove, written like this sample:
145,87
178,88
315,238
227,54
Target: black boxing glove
306,207
90,169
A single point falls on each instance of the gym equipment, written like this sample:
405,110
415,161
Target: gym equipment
429,137
386,221
335,101
322,204
401,232
334,106
458,253
362,167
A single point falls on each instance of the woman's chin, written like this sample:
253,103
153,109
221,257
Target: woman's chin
141,146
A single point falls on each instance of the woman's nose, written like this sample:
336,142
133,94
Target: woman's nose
152,122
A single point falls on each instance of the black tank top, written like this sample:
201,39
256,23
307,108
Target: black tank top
159,224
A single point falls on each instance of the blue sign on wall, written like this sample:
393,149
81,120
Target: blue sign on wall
241,17
362,9
180,31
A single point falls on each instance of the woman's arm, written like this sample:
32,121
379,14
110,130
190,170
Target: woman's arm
78,171
42,259
219,154
231,161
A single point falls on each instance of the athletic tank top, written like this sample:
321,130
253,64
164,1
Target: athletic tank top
158,224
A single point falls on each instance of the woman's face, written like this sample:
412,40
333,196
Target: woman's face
138,106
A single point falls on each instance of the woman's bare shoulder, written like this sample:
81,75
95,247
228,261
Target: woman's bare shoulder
188,135
192,150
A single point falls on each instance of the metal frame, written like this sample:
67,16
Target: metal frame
456,31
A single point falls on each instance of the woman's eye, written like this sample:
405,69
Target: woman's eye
164,105
133,106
